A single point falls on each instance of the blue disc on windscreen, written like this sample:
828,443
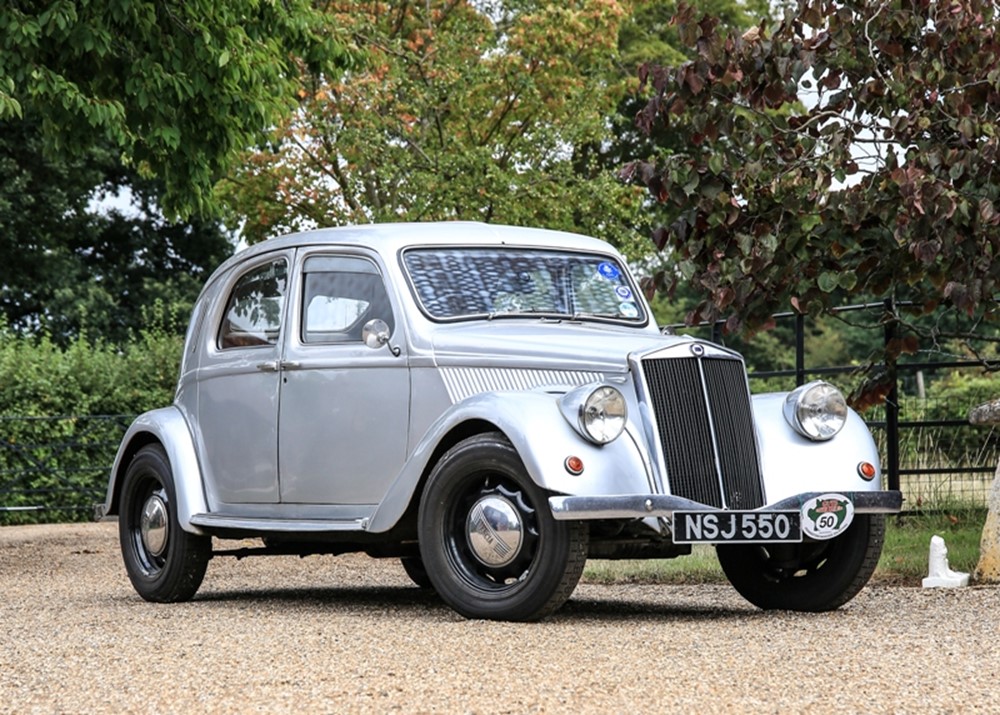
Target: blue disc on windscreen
623,292
608,270
629,310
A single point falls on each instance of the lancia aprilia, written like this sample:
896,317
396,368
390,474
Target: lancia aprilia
492,406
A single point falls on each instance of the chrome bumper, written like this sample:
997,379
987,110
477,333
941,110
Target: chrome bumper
640,506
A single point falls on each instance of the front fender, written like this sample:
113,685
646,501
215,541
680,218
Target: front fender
168,427
793,464
542,437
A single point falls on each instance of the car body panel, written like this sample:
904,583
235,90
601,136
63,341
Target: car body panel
316,428
167,427
522,416
792,463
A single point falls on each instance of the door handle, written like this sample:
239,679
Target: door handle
269,366
290,365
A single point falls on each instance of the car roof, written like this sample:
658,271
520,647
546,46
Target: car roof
388,238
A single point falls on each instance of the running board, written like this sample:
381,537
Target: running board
310,526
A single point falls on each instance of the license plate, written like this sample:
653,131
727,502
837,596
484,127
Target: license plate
737,527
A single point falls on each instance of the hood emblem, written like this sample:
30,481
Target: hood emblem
697,349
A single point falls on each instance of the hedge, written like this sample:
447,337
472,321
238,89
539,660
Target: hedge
63,411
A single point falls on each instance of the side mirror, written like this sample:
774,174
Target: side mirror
375,333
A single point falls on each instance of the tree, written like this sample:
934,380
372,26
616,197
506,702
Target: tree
68,268
648,35
179,87
849,150
463,111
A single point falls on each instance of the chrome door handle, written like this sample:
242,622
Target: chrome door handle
269,366
290,365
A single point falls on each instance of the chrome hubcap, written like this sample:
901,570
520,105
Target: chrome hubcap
153,525
495,531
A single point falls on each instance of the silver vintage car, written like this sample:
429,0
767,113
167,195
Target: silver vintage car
492,406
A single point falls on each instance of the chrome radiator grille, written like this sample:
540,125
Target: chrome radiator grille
705,427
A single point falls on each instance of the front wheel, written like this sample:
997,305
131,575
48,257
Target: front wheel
164,563
810,576
488,540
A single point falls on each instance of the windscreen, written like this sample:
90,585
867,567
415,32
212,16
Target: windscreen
456,283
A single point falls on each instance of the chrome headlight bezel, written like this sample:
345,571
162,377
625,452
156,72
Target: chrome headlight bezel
816,410
597,412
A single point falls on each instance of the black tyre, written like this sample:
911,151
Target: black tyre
811,576
488,540
414,568
164,563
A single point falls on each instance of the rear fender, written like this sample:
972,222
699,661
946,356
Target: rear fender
542,437
168,428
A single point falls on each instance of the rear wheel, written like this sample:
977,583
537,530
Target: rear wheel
810,576
164,562
488,540
414,568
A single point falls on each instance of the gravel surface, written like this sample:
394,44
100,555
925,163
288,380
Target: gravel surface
351,634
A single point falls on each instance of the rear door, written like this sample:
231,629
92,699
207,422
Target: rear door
238,385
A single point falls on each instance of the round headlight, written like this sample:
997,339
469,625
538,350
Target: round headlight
602,414
817,410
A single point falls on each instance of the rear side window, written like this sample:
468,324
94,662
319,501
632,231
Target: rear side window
340,295
254,308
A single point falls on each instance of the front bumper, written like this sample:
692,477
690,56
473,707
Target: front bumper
641,506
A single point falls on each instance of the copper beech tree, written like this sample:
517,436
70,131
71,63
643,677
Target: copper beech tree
848,150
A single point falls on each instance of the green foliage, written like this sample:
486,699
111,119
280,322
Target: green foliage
648,35
458,113
67,267
950,398
819,161
54,443
40,378
178,86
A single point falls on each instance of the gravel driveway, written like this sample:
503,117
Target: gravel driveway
351,634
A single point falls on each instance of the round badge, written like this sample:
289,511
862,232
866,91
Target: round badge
623,292
608,270
827,516
629,310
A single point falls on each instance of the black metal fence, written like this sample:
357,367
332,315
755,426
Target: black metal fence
56,468
935,461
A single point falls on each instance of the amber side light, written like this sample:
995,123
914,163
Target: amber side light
574,465
867,471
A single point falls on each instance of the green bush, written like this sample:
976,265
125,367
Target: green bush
64,410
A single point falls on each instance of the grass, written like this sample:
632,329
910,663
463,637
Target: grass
903,562
907,542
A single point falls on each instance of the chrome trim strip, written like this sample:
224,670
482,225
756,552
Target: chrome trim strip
649,424
706,398
640,506
217,521
464,382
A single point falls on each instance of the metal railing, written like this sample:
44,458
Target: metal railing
56,467
905,463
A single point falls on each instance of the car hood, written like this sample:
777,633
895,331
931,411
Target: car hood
544,345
